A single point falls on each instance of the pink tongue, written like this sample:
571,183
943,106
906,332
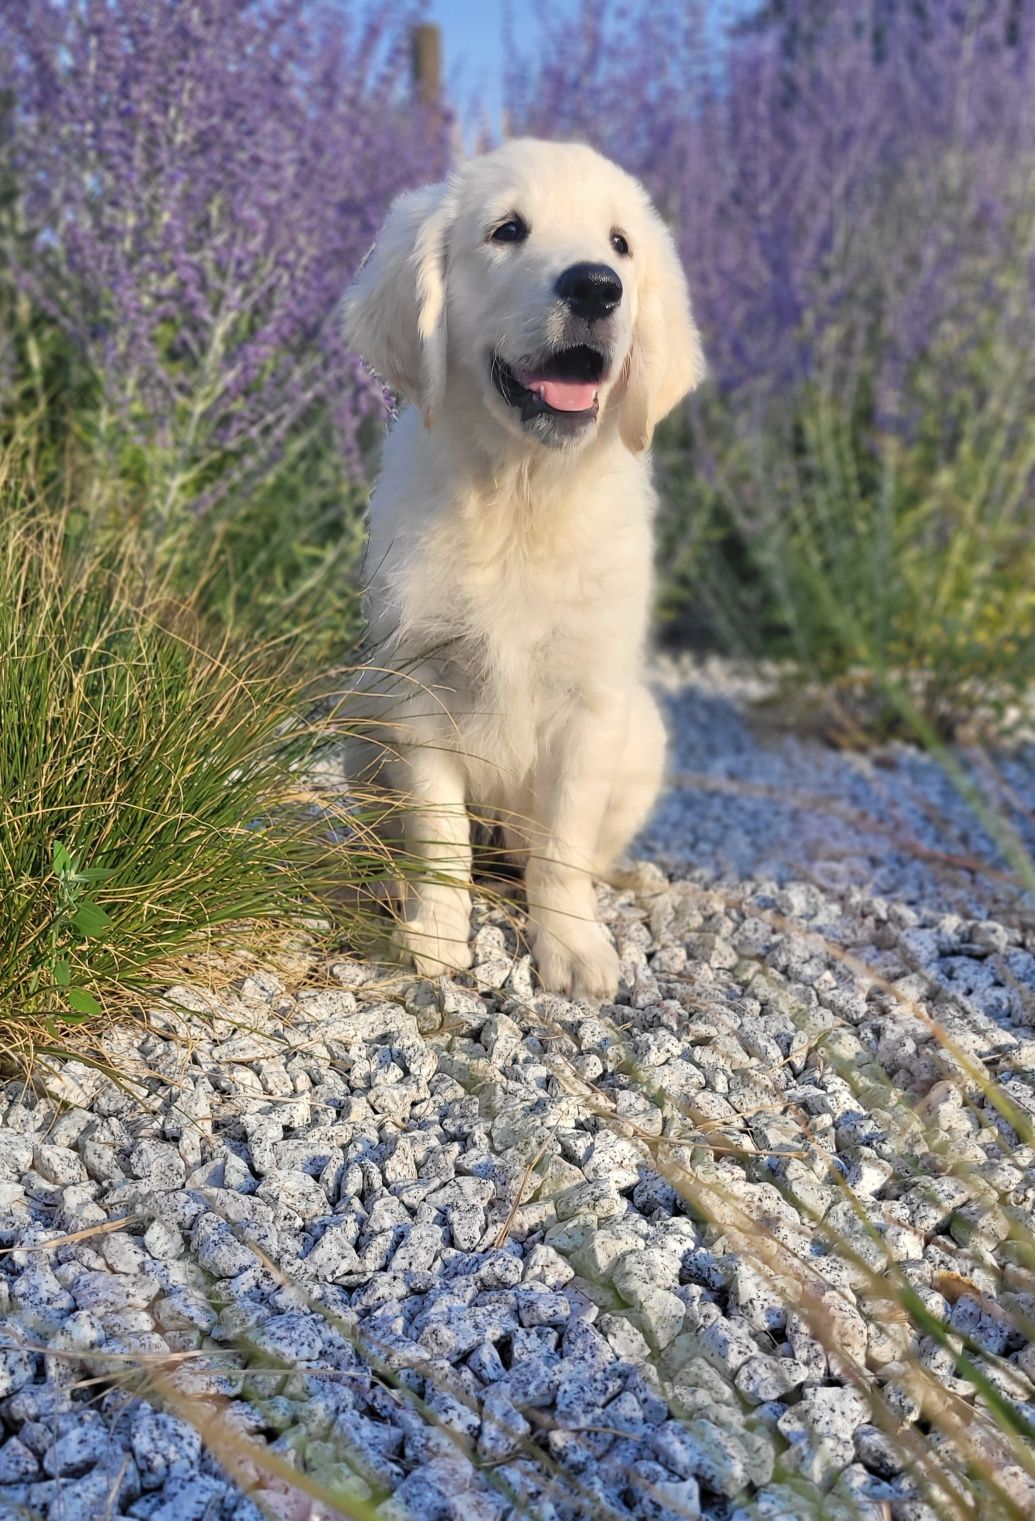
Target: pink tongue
562,395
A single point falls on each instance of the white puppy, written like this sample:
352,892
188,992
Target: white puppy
534,311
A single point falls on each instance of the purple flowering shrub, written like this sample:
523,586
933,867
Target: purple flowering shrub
850,187
199,182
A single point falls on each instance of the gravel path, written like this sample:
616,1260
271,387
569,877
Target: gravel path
463,1250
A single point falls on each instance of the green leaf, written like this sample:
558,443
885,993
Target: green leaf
62,972
95,874
91,920
56,1030
83,1002
62,861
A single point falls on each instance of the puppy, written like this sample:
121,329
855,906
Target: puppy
535,313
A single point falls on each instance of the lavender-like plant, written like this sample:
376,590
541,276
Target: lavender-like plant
202,178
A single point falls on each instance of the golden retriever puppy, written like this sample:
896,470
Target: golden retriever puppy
534,312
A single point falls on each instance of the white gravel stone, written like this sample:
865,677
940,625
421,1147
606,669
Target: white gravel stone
78,1450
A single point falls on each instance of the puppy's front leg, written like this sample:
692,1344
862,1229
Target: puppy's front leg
437,838
571,793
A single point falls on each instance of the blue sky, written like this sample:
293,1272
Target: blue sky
472,32
472,35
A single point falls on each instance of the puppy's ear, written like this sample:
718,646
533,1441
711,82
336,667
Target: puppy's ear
394,313
666,361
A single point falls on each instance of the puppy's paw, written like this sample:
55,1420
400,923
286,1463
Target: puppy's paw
433,955
576,960
435,936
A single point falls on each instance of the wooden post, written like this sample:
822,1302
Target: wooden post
426,54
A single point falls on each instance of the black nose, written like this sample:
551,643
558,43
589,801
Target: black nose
591,290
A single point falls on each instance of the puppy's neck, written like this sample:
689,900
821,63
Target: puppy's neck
487,461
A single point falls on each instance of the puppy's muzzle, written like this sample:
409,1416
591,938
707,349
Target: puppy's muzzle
590,291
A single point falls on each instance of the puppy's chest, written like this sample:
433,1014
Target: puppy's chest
523,611
524,625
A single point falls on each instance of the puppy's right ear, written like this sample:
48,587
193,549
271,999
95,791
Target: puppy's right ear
395,309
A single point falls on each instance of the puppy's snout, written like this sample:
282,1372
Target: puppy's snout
591,291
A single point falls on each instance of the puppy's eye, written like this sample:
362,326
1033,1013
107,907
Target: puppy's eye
513,230
620,243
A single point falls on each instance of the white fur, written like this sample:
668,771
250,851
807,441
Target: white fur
510,581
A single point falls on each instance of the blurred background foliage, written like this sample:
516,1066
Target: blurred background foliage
186,190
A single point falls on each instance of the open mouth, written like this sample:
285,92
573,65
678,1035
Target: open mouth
564,386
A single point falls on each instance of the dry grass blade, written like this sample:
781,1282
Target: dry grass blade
288,1495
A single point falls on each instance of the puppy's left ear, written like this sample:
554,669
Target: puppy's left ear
666,361
395,309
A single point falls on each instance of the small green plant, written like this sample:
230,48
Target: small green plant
77,918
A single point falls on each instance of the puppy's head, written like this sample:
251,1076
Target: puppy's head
540,277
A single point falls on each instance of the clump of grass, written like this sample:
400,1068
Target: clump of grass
155,782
